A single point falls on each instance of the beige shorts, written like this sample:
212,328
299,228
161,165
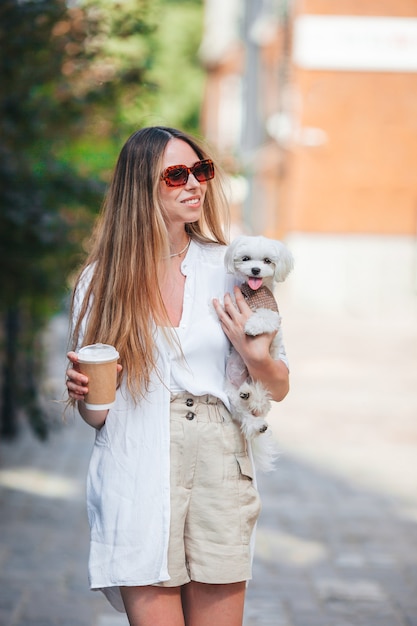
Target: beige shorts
214,504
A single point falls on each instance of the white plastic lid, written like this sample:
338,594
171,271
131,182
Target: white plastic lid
97,353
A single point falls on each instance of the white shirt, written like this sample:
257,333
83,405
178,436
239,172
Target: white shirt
128,483
200,364
202,340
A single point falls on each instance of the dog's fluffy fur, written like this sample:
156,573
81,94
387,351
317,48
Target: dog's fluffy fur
260,263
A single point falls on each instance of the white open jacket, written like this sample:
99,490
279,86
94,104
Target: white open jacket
128,483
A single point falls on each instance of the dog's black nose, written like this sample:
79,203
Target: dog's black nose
255,270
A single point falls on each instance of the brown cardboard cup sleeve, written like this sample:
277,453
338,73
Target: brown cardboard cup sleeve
99,363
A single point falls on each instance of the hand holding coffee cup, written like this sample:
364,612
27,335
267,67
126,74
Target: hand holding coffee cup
99,363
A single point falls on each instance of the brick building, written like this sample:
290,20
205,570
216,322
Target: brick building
313,105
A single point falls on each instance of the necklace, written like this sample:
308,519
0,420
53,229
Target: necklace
171,256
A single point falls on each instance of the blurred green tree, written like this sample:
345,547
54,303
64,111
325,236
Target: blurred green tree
37,105
144,56
75,79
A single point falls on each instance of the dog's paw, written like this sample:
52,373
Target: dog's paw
253,426
262,321
255,398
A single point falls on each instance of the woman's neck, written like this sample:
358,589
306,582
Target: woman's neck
178,243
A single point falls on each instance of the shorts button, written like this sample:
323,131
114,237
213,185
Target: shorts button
190,415
189,402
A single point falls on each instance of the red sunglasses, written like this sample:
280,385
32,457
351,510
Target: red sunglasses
177,175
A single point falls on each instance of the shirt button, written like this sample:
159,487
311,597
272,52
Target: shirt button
189,402
190,415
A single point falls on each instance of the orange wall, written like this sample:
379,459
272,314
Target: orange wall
363,178
399,8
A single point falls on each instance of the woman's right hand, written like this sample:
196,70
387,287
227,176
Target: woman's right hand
77,383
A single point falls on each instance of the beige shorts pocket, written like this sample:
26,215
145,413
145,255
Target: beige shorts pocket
249,500
245,466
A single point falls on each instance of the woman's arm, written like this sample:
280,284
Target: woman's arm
255,351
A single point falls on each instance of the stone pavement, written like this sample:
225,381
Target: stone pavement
337,539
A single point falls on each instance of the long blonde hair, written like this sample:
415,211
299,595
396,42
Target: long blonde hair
123,301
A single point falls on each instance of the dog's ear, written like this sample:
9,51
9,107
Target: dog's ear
284,262
229,256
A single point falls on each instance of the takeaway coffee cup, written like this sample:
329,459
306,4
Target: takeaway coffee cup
99,363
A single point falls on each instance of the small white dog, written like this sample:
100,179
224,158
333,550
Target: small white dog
260,263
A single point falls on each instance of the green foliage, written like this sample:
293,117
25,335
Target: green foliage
145,63
75,80
176,71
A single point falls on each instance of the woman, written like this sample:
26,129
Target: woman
170,494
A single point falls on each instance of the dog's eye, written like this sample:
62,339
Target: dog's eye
246,258
267,261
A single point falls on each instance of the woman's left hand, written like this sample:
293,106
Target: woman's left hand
233,317
255,351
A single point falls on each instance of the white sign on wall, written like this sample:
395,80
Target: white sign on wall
385,44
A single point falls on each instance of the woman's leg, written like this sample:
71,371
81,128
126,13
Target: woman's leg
209,605
153,606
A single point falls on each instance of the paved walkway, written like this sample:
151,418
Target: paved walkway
337,540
